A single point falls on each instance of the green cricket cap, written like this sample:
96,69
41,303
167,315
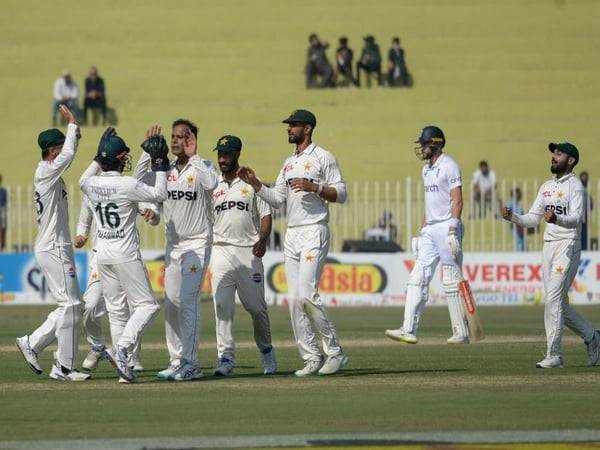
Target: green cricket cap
112,146
50,138
302,116
229,143
565,147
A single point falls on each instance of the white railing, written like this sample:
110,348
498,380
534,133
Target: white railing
377,209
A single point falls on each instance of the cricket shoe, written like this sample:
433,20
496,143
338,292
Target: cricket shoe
61,373
164,374
120,364
311,367
401,335
95,355
28,354
187,371
269,362
223,368
333,364
135,365
550,362
457,339
593,349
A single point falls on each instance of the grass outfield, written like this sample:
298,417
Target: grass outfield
502,77
387,386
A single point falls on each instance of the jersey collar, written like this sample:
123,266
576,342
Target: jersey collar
307,151
564,177
111,173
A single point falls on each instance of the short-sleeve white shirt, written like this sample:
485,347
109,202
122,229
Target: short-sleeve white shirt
438,180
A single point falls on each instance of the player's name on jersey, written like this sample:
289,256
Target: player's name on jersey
111,234
224,206
182,195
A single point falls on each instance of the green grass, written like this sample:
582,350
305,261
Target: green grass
503,78
387,386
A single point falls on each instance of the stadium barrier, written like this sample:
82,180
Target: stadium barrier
375,210
349,279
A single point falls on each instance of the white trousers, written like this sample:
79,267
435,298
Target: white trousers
94,307
130,302
184,273
305,252
236,269
560,261
432,249
62,324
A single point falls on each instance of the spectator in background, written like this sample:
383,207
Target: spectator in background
319,72
370,61
95,97
3,215
517,231
66,93
588,206
484,186
397,72
344,57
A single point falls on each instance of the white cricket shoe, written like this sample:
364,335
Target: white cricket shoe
223,368
593,349
96,354
550,362
269,362
28,354
119,363
333,364
457,339
124,381
187,371
310,368
401,335
59,373
164,374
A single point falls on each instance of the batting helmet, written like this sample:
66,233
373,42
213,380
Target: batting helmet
108,154
432,135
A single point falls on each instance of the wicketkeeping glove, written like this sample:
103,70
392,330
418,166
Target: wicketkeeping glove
157,148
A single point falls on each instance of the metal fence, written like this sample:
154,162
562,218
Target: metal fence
377,210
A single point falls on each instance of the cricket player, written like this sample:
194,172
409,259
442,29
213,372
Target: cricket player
188,220
309,181
242,225
560,203
94,304
54,254
440,239
115,199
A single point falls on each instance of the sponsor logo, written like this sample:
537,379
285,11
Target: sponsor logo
337,278
547,194
171,177
558,209
288,168
455,180
432,188
467,296
503,272
257,277
218,193
224,206
185,195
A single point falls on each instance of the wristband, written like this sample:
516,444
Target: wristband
453,222
320,189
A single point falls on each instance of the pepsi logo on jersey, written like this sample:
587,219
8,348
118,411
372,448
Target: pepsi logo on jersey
558,209
185,195
224,206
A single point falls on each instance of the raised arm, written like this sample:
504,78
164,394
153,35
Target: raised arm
274,196
62,162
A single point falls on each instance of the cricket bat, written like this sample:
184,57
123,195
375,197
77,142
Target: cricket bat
473,320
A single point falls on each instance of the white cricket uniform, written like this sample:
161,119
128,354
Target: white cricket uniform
94,303
438,180
188,221
237,215
54,254
114,199
560,255
306,245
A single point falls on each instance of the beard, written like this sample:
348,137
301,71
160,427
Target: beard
294,139
558,168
